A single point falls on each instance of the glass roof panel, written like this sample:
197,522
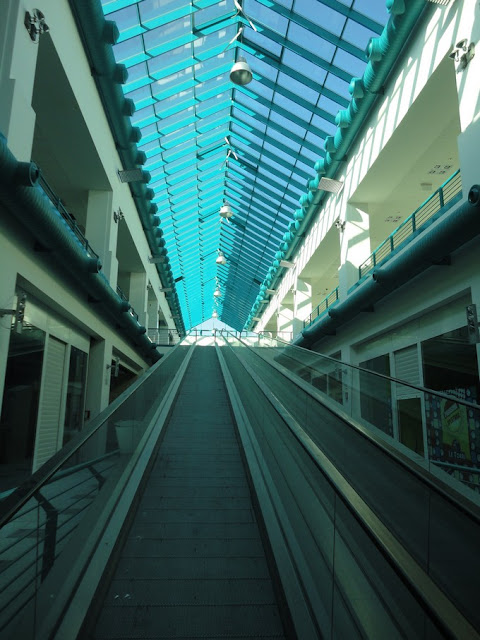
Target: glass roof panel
209,142
263,42
321,47
375,9
321,16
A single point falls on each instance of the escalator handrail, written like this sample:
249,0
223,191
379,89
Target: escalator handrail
418,581
440,394
469,507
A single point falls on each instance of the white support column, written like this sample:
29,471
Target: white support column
18,59
138,295
354,246
98,392
468,97
152,312
285,319
98,378
469,112
101,231
302,304
7,301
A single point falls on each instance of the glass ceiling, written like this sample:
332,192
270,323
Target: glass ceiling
210,142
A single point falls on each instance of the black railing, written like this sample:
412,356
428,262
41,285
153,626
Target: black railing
49,519
67,216
445,194
131,310
321,308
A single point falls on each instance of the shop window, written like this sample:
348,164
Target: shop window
450,365
410,423
120,379
376,394
20,405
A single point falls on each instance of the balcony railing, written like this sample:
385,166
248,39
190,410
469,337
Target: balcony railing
131,311
163,336
67,216
448,193
320,309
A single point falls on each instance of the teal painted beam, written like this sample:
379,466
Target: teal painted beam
290,168
310,26
265,56
252,191
274,125
358,17
252,160
304,53
285,113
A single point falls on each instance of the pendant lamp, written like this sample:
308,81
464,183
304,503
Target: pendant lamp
241,73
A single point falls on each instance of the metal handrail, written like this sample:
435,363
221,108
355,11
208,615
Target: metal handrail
339,363
447,491
131,310
164,336
417,579
329,301
66,215
444,195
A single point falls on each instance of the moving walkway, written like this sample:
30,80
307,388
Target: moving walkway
225,495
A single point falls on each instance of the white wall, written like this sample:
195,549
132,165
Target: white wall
430,45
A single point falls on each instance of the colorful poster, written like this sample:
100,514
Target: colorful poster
453,429
455,433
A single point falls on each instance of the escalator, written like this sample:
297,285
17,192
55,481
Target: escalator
242,504
192,564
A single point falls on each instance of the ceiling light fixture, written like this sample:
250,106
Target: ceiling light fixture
214,314
221,258
134,175
226,211
241,73
287,264
332,186
230,152
217,293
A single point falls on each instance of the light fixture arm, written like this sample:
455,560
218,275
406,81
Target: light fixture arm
240,10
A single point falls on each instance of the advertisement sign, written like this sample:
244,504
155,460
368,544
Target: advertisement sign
453,429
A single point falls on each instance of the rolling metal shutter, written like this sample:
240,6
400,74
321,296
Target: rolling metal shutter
50,409
406,368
